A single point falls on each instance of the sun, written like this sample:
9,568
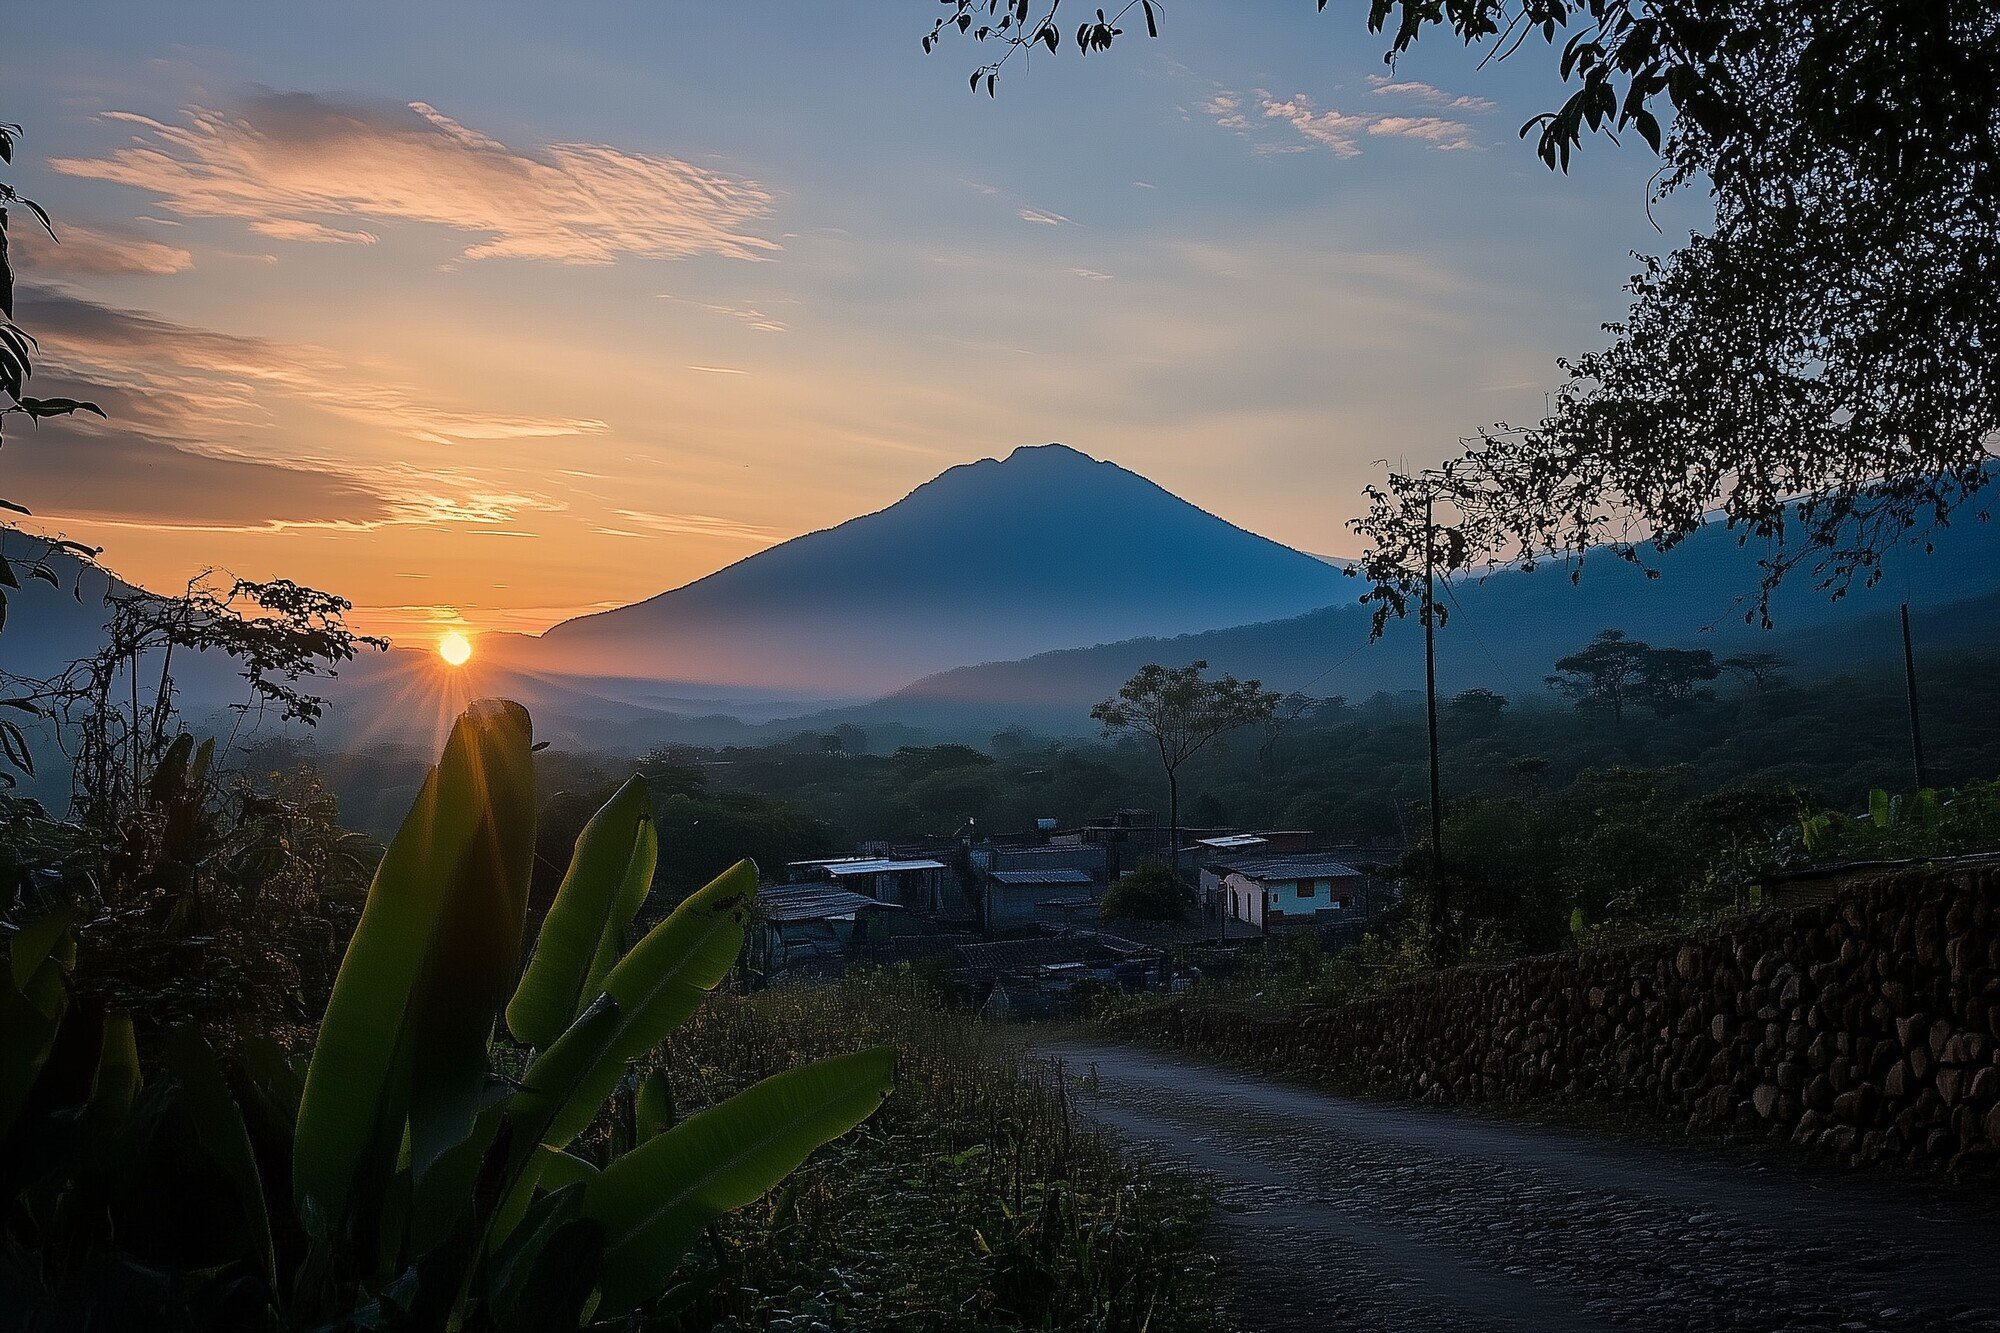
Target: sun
454,648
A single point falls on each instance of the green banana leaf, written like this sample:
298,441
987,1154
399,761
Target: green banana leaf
655,1200
653,1105
583,916
224,1136
118,1079
652,991
631,896
462,849
34,997
40,941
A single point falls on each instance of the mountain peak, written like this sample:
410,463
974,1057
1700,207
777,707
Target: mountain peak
1051,453
997,558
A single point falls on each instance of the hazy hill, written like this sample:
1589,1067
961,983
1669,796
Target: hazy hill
1503,633
995,559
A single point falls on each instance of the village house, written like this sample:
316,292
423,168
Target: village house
921,884
1011,899
814,924
1288,891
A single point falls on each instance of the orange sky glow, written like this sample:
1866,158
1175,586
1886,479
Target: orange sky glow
479,357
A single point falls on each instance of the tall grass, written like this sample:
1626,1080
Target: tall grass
974,1199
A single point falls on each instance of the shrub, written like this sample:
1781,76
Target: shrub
1150,893
428,1190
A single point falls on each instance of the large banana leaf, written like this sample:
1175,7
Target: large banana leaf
588,912
118,1078
655,1200
224,1136
474,959
34,997
461,850
652,990
631,896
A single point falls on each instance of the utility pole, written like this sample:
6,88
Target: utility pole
1439,922
1910,686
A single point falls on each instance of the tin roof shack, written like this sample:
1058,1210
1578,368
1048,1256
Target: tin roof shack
1013,899
1091,860
813,927
1048,975
920,884
1286,892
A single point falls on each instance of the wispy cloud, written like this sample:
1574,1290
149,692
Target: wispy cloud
1335,130
313,233
1041,217
290,161
1339,132
181,364
699,525
98,252
1430,95
750,315
1226,109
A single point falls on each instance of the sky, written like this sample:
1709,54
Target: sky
488,315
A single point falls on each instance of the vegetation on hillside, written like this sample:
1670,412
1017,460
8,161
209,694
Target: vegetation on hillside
411,1174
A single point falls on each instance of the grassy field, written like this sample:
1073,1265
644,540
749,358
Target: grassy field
974,1199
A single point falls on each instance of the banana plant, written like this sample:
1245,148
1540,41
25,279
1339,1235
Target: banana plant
449,1192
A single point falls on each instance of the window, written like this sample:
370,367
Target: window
1308,889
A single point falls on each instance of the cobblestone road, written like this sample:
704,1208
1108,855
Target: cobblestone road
1349,1215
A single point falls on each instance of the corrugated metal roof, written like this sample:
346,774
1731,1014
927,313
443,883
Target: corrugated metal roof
1025,877
880,866
813,902
1270,868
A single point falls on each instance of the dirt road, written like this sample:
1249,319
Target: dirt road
1352,1215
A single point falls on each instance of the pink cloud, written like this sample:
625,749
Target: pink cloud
286,163
96,252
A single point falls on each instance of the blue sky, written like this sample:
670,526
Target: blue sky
637,289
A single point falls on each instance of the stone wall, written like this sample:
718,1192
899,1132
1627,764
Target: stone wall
1867,1027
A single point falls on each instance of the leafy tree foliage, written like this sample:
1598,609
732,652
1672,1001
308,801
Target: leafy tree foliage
1150,893
1760,669
1605,675
1819,366
1180,713
1476,708
1615,670
1925,823
408,1180
201,890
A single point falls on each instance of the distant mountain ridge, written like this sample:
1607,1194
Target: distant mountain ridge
1048,548
1506,631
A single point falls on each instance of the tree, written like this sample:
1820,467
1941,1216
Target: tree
1150,893
1762,670
1818,367
1478,709
115,712
1606,675
1673,678
17,355
17,369
1009,744
1181,713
